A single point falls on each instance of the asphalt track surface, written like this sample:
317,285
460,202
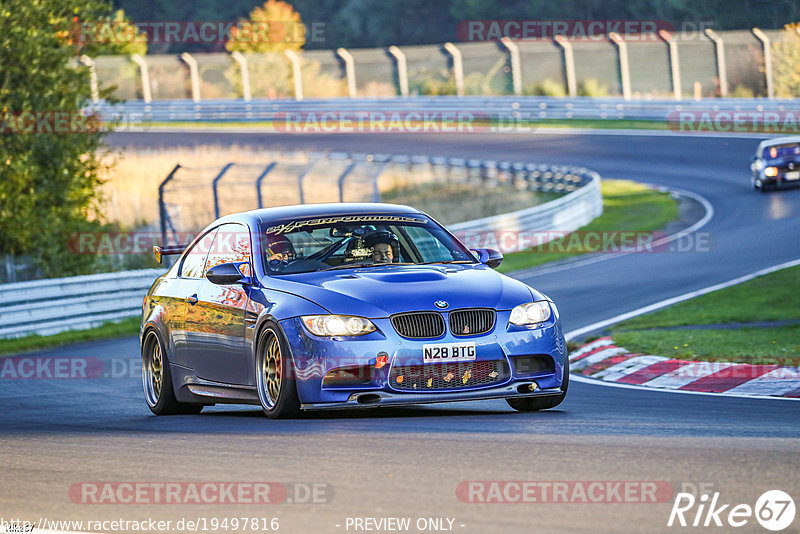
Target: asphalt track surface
408,462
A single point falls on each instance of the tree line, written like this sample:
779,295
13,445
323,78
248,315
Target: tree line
374,23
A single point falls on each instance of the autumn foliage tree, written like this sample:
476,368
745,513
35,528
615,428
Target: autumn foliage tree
786,63
48,181
272,27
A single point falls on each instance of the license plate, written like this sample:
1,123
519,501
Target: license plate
448,352
794,175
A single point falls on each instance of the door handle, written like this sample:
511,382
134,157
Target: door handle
192,300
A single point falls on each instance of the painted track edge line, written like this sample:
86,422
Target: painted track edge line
663,304
680,298
704,220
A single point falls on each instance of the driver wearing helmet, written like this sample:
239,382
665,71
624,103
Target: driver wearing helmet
279,248
384,245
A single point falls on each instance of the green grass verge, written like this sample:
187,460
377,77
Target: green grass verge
627,207
779,345
109,330
766,298
762,299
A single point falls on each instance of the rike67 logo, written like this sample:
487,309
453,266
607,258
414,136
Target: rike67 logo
774,510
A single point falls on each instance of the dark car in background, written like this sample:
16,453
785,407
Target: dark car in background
776,164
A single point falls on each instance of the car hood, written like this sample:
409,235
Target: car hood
382,291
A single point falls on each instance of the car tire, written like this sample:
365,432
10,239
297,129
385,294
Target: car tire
534,404
157,379
275,378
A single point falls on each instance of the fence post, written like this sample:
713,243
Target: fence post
194,74
622,63
516,65
767,50
297,75
300,178
242,61
86,60
719,51
674,63
260,178
343,177
458,67
349,71
214,187
162,208
147,94
402,69
568,64
11,270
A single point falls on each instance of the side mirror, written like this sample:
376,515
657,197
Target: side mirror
226,274
489,256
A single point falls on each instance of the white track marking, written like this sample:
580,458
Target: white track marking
628,367
687,374
777,382
709,213
739,391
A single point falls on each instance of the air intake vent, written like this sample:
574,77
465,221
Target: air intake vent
418,325
471,322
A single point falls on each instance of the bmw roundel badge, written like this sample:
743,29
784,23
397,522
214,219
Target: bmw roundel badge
441,304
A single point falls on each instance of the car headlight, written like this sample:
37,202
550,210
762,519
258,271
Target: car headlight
530,313
771,171
337,325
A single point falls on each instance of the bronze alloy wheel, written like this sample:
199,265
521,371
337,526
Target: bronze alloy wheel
153,370
270,371
275,383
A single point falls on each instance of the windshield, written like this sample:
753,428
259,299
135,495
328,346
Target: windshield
791,150
357,241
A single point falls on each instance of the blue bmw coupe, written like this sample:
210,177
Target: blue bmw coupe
328,306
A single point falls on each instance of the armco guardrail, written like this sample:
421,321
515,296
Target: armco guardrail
564,214
54,305
512,110
57,304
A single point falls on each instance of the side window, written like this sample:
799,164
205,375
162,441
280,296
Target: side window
232,244
193,261
430,248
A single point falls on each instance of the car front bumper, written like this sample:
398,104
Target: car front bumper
314,357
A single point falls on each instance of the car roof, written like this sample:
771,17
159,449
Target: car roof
301,211
778,141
